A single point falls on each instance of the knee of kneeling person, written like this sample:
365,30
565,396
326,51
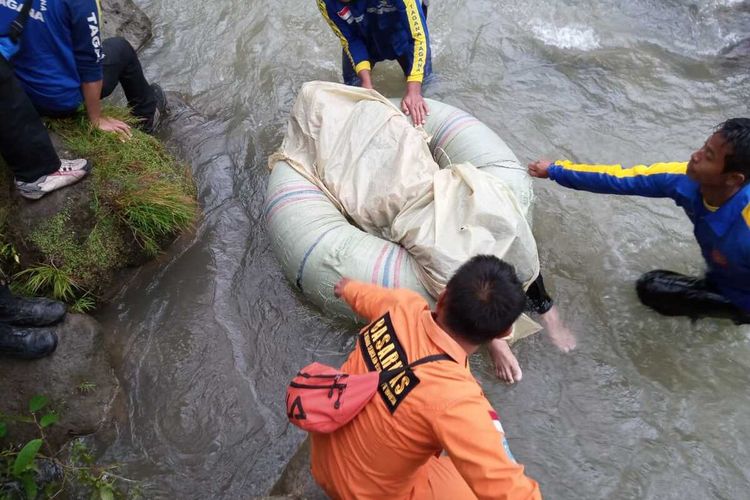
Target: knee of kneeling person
118,47
645,280
644,287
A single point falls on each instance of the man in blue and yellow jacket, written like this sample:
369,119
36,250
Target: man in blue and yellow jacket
714,190
371,31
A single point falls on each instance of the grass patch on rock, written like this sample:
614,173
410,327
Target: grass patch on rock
138,198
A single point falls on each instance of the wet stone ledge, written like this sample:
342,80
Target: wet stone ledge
77,379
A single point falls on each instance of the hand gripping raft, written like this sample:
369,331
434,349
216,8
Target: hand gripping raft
356,191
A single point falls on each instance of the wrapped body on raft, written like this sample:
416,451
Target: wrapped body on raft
356,191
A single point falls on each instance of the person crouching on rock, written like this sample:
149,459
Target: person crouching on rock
24,142
429,432
63,62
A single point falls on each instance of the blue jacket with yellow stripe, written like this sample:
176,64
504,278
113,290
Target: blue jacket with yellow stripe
377,30
723,233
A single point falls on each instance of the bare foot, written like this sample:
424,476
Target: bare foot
506,364
559,334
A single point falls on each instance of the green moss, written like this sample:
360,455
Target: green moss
81,261
137,180
141,197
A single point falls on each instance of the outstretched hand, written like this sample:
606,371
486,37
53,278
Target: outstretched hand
539,169
119,127
338,288
414,105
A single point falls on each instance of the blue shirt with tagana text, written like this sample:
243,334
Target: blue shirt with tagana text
61,48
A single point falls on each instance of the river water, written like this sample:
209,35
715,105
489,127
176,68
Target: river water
646,407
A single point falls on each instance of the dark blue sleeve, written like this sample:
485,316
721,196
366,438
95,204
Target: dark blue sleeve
657,181
84,18
413,17
352,43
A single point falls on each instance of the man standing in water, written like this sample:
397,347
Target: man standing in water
714,190
371,31
392,449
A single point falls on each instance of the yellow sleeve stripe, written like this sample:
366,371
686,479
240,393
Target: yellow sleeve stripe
363,65
746,215
336,30
420,41
619,172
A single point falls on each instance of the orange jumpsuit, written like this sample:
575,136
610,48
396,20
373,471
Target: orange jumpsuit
391,449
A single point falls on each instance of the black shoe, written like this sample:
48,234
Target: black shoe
161,112
161,98
26,343
742,318
29,312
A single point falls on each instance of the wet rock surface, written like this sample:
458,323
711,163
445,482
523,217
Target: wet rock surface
296,481
123,18
77,379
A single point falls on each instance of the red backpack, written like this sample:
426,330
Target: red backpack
323,399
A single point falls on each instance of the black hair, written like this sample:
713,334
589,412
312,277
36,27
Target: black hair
483,299
736,131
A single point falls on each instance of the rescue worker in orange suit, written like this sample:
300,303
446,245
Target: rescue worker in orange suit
429,433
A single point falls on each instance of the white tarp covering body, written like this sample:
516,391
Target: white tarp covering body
358,149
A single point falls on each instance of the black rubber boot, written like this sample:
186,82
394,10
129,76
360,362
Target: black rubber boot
674,294
21,311
23,342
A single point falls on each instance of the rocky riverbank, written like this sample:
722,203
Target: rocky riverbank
76,245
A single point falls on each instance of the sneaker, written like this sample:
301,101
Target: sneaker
26,343
22,311
70,172
161,111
